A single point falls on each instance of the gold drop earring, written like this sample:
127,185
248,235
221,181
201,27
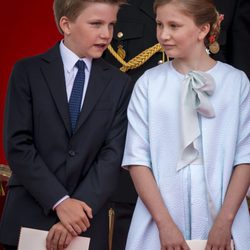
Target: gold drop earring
214,46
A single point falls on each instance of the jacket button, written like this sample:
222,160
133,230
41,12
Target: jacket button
72,153
120,34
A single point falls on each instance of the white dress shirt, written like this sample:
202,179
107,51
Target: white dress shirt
69,59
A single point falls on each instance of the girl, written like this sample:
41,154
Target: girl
188,138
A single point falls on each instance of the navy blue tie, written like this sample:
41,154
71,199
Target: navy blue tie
75,99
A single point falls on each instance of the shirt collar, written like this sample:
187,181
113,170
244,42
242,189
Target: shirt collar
69,58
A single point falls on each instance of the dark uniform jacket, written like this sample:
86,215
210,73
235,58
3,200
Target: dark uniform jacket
235,33
135,31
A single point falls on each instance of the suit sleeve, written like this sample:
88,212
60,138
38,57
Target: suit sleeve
103,175
240,37
28,168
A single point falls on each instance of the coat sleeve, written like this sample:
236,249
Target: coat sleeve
137,149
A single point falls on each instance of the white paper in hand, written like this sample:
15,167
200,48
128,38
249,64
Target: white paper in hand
31,239
201,244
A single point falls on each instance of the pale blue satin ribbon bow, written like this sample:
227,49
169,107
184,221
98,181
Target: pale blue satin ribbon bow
197,87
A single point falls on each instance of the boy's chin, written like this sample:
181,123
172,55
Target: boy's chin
96,55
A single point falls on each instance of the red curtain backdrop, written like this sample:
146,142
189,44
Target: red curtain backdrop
28,28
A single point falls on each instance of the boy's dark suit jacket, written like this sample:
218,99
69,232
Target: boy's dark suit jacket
47,162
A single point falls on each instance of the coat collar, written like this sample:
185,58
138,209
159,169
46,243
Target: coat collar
52,69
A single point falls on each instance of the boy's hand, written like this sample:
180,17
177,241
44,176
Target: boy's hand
58,237
74,215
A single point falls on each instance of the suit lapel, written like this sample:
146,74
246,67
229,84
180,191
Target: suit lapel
54,74
99,78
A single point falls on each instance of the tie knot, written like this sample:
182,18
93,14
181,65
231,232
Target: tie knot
80,64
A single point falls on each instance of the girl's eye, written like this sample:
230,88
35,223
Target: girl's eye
174,25
97,24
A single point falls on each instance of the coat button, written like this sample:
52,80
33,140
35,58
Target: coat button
72,153
120,34
160,62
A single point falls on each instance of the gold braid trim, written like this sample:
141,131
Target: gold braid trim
138,60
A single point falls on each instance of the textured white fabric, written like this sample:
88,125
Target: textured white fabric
153,140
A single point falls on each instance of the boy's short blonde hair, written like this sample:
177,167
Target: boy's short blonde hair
72,8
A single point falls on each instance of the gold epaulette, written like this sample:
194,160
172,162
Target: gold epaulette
138,60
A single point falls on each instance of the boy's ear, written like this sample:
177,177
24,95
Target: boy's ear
204,30
65,25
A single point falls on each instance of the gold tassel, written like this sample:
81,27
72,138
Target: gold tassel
5,174
2,193
111,226
121,52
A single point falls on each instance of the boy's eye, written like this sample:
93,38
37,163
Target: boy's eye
112,26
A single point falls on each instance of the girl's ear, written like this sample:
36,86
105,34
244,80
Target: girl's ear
65,25
204,30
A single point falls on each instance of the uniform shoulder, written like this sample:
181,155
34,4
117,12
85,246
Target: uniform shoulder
115,71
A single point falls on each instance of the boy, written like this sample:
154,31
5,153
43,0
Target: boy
64,134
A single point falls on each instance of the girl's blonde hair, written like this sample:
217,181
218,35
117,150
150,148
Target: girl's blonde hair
202,12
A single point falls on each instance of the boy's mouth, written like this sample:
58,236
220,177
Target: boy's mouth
101,45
